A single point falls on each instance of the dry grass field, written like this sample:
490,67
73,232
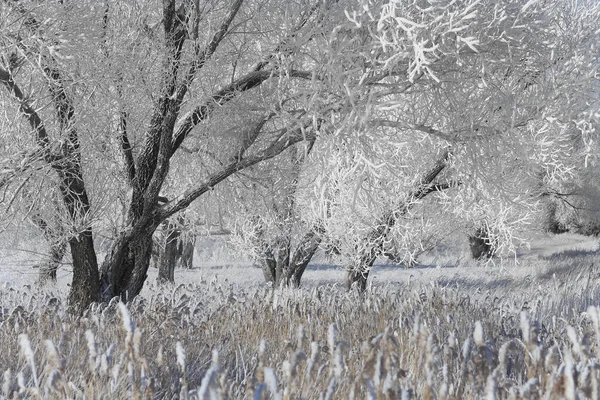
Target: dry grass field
497,332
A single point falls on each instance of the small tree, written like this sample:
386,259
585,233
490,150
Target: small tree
271,228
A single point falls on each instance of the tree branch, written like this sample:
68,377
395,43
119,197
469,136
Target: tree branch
32,117
274,149
222,96
202,56
376,238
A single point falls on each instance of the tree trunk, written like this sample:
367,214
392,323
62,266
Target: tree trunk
170,255
305,251
550,222
269,266
359,273
186,260
141,250
55,237
48,269
84,288
480,244
126,266
358,278
284,271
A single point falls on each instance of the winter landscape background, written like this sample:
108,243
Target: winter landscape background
300,199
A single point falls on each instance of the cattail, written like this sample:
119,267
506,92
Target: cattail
466,350
551,360
568,375
259,390
159,356
525,326
315,352
215,358
92,350
594,314
478,334
572,335
52,381
29,357
105,360
180,351
298,357
52,357
116,369
490,388
208,386
371,395
271,381
528,388
331,388
407,394
331,337
338,359
137,338
300,337
6,383
21,381
128,324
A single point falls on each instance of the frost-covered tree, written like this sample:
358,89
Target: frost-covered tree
269,224
453,112
116,89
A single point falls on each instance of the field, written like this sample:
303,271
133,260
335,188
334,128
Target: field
450,328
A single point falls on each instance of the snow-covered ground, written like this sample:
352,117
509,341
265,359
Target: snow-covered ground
558,257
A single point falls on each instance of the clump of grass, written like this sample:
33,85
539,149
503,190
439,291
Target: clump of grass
213,341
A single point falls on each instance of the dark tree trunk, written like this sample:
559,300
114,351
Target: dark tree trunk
358,279
269,266
305,251
141,250
360,273
84,288
186,260
170,255
480,244
48,269
55,237
288,272
550,222
126,267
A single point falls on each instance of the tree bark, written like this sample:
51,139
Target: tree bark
84,288
305,251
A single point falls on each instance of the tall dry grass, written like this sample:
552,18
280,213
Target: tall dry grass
214,341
